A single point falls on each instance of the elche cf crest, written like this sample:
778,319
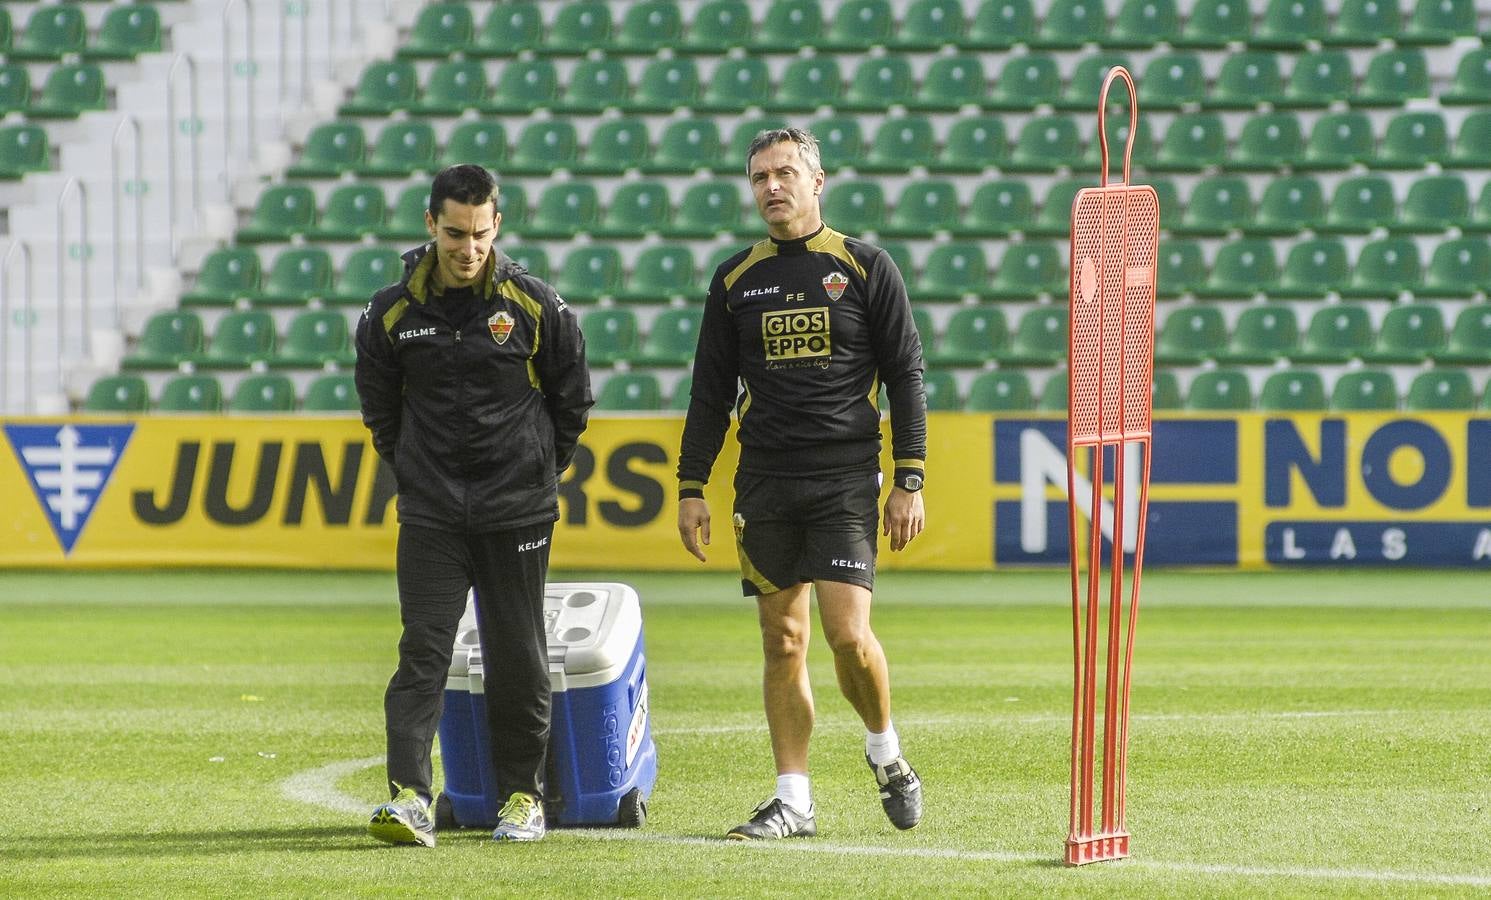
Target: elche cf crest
502,326
834,284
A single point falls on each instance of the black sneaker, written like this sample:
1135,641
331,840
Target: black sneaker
900,792
775,819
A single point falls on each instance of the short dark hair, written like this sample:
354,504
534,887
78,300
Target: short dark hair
807,145
465,183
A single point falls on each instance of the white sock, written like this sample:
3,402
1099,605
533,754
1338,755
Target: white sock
883,748
794,790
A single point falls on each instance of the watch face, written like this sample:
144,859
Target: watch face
911,482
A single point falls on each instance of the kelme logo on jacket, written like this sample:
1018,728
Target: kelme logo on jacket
502,326
834,283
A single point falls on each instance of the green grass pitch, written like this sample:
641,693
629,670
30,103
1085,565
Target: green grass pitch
216,734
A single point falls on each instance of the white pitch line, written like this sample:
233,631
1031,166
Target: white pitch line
318,786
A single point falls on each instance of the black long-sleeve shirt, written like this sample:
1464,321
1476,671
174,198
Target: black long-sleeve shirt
796,337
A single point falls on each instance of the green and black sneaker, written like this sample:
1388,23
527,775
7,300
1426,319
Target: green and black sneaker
405,819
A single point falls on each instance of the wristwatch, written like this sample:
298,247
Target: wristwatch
909,482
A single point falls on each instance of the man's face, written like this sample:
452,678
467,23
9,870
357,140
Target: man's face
786,192
463,238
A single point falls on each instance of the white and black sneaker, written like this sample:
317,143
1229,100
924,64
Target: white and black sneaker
900,792
775,819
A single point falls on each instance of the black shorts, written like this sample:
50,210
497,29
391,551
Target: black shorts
792,530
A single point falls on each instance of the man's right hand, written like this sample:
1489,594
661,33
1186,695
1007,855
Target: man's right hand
693,525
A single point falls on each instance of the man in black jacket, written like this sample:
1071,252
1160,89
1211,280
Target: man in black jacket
473,384
798,332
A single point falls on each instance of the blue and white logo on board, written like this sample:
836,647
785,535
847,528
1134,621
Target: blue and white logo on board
69,466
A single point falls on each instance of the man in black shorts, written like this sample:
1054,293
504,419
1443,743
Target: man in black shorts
799,331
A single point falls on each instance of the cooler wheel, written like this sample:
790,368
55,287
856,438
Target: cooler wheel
633,810
445,814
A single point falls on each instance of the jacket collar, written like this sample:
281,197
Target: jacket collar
419,269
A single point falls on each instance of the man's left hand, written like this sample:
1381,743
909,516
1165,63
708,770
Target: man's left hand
904,517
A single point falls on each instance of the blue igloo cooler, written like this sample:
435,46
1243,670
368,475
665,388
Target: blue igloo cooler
602,760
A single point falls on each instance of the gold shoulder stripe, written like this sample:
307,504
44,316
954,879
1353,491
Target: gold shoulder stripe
832,242
394,314
535,310
761,250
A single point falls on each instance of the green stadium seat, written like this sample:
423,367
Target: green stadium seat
331,149
672,339
1000,391
1190,335
637,209
333,392
1413,140
70,90
1469,340
1182,268
1293,390
1364,390
385,87
1435,22
686,146
678,401
648,27
15,87
228,276
1480,214
1472,148
859,25
709,209
168,339
1290,204
951,83
1173,80
809,82
1385,268
735,85
718,26
23,149
899,145
1290,25
240,339
263,393
453,87
590,273
365,270
1166,391
1339,141
191,394
732,161
974,144
921,318
543,147
661,274
998,208
7,30
1220,390
1024,83
1039,340
1139,25
1336,334
1000,25
879,83
630,392
313,339
296,277
596,85
1318,80
900,254
281,213
1433,205
953,270
532,257
440,30
1213,24
1360,204
117,394
929,25
1046,144
1054,393
712,263
1472,82
564,209
523,86
1192,142
841,142
1313,269
941,390
53,31
1028,270
578,28
1118,138
610,335
974,335
854,205
1243,268
1246,81
1269,142
125,33
1263,335
615,146
1070,24
1219,204
401,150
1054,219
789,24
1440,390
666,85
1409,334
352,211
1082,89
1458,268
1364,23
481,142
509,29
1393,78
406,218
